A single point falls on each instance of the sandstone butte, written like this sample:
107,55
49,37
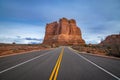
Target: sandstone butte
64,32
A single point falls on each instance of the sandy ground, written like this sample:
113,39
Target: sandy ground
13,49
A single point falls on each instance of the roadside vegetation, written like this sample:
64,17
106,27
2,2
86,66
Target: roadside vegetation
108,50
112,49
6,49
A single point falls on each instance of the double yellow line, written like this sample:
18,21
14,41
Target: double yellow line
54,73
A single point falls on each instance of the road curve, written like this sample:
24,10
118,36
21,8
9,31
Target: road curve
60,63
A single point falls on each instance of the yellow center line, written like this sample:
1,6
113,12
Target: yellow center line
54,73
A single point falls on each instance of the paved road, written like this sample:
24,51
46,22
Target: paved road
58,64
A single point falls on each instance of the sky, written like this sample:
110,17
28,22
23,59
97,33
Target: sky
24,21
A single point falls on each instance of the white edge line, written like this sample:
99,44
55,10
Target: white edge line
22,63
97,66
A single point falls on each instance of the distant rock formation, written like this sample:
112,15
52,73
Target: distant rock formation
112,39
64,32
112,43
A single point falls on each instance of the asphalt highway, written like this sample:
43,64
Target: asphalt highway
61,63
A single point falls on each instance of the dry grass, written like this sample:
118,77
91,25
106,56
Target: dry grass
94,49
110,50
6,49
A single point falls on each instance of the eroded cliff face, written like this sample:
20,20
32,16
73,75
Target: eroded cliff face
112,44
111,40
64,32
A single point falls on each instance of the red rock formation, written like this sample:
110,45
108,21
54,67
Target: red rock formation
112,43
112,39
65,32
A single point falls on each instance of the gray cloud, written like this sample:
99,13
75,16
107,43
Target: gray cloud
35,39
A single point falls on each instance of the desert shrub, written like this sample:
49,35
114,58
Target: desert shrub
88,51
113,49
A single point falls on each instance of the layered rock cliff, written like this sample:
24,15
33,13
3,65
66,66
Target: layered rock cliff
64,32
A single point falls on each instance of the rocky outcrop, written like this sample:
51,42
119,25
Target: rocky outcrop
112,39
64,32
112,43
